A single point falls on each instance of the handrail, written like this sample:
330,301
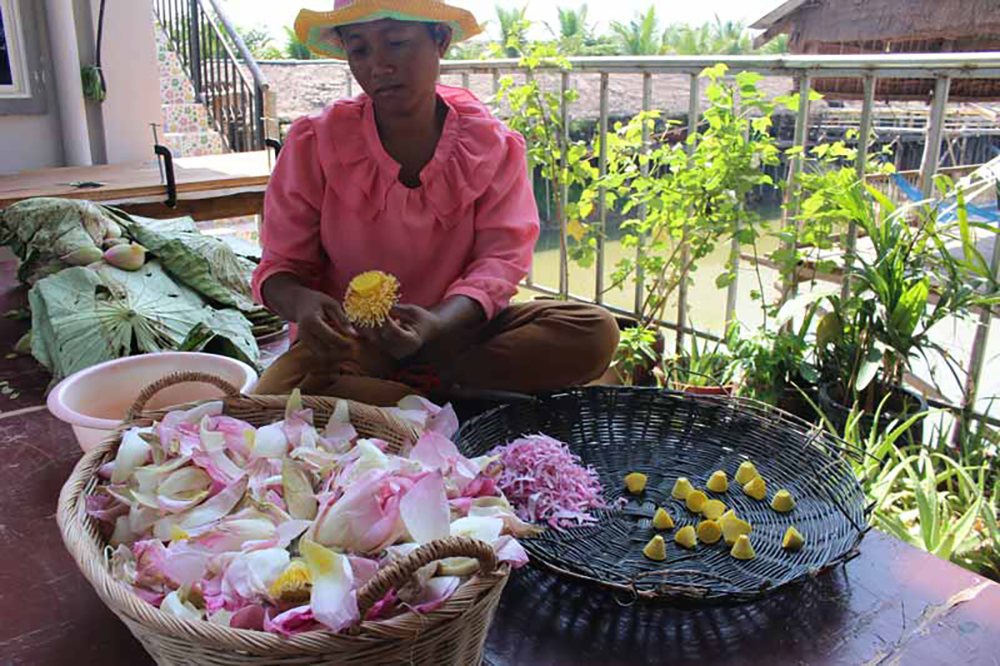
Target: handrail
251,63
892,65
204,43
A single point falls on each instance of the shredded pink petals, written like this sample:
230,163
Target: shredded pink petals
546,483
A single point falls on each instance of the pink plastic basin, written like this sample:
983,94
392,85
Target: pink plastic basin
95,400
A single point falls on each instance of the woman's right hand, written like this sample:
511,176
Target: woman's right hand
323,326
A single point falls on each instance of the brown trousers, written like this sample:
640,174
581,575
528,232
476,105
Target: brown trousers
528,347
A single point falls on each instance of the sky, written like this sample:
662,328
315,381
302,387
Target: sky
274,14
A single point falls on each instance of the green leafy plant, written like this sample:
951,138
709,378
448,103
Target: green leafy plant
771,362
699,367
635,354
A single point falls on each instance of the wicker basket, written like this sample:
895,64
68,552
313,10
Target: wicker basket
666,434
452,634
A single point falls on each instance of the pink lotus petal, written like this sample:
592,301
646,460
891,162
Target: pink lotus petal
212,510
382,608
105,508
434,451
435,593
292,622
424,510
365,519
270,442
132,452
509,550
363,570
185,564
250,575
249,617
333,601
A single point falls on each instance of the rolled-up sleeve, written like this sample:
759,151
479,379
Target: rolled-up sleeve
290,237
506,230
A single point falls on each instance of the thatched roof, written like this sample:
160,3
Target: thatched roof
868,20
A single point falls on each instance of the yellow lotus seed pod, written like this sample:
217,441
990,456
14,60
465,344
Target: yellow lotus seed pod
783,502
682,488
369,298
656,549
696,500
636,482
743,549
713,509
662,520
686,537
718,483
733,528
757,488
793,539
709,531
746,473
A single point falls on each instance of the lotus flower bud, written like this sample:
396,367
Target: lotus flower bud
743,549
130,257
112,242
783,501
709,531
656,549
746,473
114,231
713,509
793,539
718,483
696,501
83,256
686,537
636,482
682,488
370,296
662,520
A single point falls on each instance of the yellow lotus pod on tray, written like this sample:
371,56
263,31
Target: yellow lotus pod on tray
635,482
713,509
662,520
746,473
709,531
718,483
686,537
743,549
682,488
733,528
656,549
370,296
696,500
783,502
756,488
793,539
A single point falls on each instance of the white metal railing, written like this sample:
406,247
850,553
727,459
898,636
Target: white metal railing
942,68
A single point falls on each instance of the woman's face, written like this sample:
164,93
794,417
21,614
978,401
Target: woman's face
396,62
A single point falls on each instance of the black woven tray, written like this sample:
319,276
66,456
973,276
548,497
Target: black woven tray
666,434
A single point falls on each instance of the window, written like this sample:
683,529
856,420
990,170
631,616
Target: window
14,81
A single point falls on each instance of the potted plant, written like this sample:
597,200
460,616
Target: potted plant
701,370
866,340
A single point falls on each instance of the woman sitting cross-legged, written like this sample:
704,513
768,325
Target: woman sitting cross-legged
419,181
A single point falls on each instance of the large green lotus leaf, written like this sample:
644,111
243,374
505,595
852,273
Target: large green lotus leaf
226,332
84,316
57,226
204,263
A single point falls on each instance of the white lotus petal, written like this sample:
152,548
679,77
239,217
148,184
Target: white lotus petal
425,511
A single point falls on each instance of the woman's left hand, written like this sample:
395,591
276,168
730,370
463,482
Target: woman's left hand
407,329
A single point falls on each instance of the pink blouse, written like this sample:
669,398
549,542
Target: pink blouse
335,207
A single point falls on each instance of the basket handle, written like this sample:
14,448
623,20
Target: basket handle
400,572
177,378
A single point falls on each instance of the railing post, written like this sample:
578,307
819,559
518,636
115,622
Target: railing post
977,358
260,128
602,202
733,291
932,149
694,115
790,211
194,46
862,167
647,106
564,189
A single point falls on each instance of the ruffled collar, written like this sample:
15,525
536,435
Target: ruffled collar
472,147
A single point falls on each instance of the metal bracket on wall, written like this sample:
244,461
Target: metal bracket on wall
168,164
275,144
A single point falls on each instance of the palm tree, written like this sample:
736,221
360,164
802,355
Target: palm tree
573,24
730,37
295,49
682,39
641,36
513,26
777,46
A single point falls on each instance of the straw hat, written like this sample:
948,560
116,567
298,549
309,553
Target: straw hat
317,29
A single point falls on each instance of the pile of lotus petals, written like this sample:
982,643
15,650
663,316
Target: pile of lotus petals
277,528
